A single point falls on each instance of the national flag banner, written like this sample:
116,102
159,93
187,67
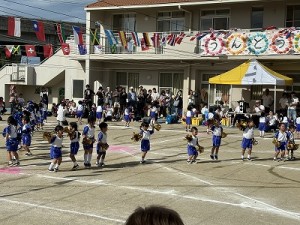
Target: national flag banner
95,36
30,50
97,49
123,39
172,40
48,50
82,49
164,39
38,27
14,26
111,37
156,40
9,50
60,33
146,39
179,39
16,50
135,38
65,47
78,37
143,45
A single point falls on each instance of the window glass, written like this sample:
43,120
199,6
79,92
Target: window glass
124,22
257,17
122,78
77,88
171,21
220,23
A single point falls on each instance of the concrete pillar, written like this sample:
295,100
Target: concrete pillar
186,86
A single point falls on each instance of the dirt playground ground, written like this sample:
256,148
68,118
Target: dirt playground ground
228,191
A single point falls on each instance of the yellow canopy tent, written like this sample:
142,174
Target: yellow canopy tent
252,73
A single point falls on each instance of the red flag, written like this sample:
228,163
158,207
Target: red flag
65,47
60,33
30,50
156,40
14,26
8,50
48,50
180,38
38,27
143,45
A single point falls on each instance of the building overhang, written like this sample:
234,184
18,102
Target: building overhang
211,2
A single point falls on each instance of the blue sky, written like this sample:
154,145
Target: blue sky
68,10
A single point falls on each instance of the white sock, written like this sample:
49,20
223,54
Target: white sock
262,133
101,160
85,158
249,156
56,166
242,156
89,158
51,166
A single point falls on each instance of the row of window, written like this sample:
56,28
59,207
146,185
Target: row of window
217,19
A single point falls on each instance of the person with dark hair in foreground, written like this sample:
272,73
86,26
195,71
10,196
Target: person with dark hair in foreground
151,215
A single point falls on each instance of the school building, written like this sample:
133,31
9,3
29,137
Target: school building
211,37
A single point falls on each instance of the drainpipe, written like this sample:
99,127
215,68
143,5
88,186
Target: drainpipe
190,25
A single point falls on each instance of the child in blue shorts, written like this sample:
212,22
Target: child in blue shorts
26,135
282,137
10,133
79,112
74,145
248,136
216,140
188,118
55,150
127,117
145,141
262,124
88,135
192,145
99,113
102,145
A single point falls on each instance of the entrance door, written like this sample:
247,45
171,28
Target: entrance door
61,94
133,80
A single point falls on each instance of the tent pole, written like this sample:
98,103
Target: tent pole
208,96
275,99
230,96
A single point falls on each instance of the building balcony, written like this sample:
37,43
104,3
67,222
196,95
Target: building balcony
236,44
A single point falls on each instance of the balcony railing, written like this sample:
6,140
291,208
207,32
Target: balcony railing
283,41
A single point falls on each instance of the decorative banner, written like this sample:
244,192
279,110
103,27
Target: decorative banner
297,43
213,46
236,44
258,43
280,44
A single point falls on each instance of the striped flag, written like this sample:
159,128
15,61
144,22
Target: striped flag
123,39
198,36
14,26
95,36
60,33
143,45
146,39
111,38
164,39
179,39
78,37
172,39
135,38
156,40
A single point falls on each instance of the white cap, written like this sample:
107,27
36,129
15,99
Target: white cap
131,88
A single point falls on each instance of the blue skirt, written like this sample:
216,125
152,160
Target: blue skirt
26,140
88,147
191,150
216,140
99,115
12,144
74,147
55,152
246,143
298,128
188,120
262,126
145,145
153,115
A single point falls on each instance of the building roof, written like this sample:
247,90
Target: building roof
118,3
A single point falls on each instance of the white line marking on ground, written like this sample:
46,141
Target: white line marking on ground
61,210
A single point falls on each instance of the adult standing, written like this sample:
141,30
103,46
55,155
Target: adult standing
100,95
108,96
123,98
294,101
267,100
283,103
162,103
88,96
155,95
191,98
178,103
44,96
168,99
12,98
132,97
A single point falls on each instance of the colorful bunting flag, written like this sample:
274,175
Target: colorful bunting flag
156,40
14,26
82,49
65,47
122,36
172,39
95,36
30,50
38,27
60,33
135,38
111,38
8,51
146,39
179,39
143,45
48,50
78,37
